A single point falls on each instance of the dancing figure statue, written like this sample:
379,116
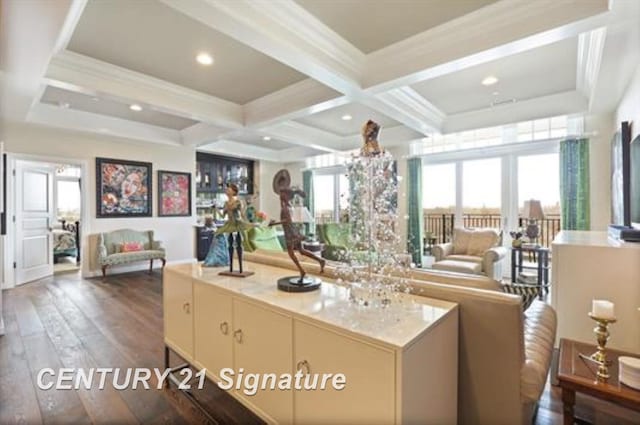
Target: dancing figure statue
234,227
292,235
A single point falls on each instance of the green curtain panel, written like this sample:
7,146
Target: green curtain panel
574,184
307,186
414,209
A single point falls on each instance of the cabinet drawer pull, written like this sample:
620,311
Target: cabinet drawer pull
186,307
238,336
303,364
224,328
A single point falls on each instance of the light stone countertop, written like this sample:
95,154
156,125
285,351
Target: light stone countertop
395,326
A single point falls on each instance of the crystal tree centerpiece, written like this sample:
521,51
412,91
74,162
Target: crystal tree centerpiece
374,266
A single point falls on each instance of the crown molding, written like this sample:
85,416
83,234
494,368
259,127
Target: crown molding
286,32
565,103
590,48
77,72
492,32
295,101
72,119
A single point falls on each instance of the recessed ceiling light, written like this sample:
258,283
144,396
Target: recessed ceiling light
64,105
95,99
495,93
266,138
347,117
135,107
204,58
490,80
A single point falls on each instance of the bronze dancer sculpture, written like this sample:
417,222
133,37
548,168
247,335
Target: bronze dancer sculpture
293,237
234,226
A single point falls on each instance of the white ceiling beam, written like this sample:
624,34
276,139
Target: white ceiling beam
408,107
295,101
285,31
500,29
304,135
30,34
241,150
201,134
389,136
72,119
590,48
565,103
73,71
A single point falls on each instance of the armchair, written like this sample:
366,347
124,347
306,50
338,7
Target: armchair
472,252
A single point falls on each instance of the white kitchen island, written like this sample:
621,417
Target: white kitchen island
590,265
400,364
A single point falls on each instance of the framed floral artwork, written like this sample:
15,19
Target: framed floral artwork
174,194
123,188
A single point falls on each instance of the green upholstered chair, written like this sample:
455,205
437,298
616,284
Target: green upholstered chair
265,238
335,237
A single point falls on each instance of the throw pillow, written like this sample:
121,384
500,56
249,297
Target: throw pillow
218,255
527,292
131,247
461,238
482,240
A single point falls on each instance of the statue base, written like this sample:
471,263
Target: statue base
236,274
295,284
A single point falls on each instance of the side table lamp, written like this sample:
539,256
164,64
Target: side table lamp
533,212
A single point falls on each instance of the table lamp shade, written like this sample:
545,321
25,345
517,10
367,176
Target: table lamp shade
533,210
300,215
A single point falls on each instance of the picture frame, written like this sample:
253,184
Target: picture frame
174,194
123,188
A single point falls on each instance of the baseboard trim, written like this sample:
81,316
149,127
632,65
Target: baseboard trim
136,267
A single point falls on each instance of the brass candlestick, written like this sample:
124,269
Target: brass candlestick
600,356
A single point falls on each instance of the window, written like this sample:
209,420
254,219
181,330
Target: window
331,195
68,199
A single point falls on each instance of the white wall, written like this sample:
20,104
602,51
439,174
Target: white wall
602,130
177,233
629,107
269,202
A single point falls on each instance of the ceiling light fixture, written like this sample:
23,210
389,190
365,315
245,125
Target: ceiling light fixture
64,105
135,107
489,81
204,59
266,138
347,117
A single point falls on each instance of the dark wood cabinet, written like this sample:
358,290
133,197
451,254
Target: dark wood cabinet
214,172
204,238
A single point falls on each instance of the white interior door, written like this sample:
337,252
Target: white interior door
34,219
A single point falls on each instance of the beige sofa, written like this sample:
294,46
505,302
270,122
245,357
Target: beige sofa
472,252
505,354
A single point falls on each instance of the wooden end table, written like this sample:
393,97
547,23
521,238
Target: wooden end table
578,375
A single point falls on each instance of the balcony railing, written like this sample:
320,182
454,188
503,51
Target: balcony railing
440,226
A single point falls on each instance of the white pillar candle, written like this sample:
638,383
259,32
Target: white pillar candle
602,309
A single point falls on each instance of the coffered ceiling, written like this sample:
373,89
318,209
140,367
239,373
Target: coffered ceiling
371,25
285,72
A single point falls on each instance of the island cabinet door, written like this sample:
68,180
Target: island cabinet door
369,393
212,328
178,313
262,345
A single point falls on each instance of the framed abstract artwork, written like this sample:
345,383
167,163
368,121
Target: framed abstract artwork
123,188
174,194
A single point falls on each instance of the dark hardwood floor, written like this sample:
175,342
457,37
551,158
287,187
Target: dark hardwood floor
66,321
